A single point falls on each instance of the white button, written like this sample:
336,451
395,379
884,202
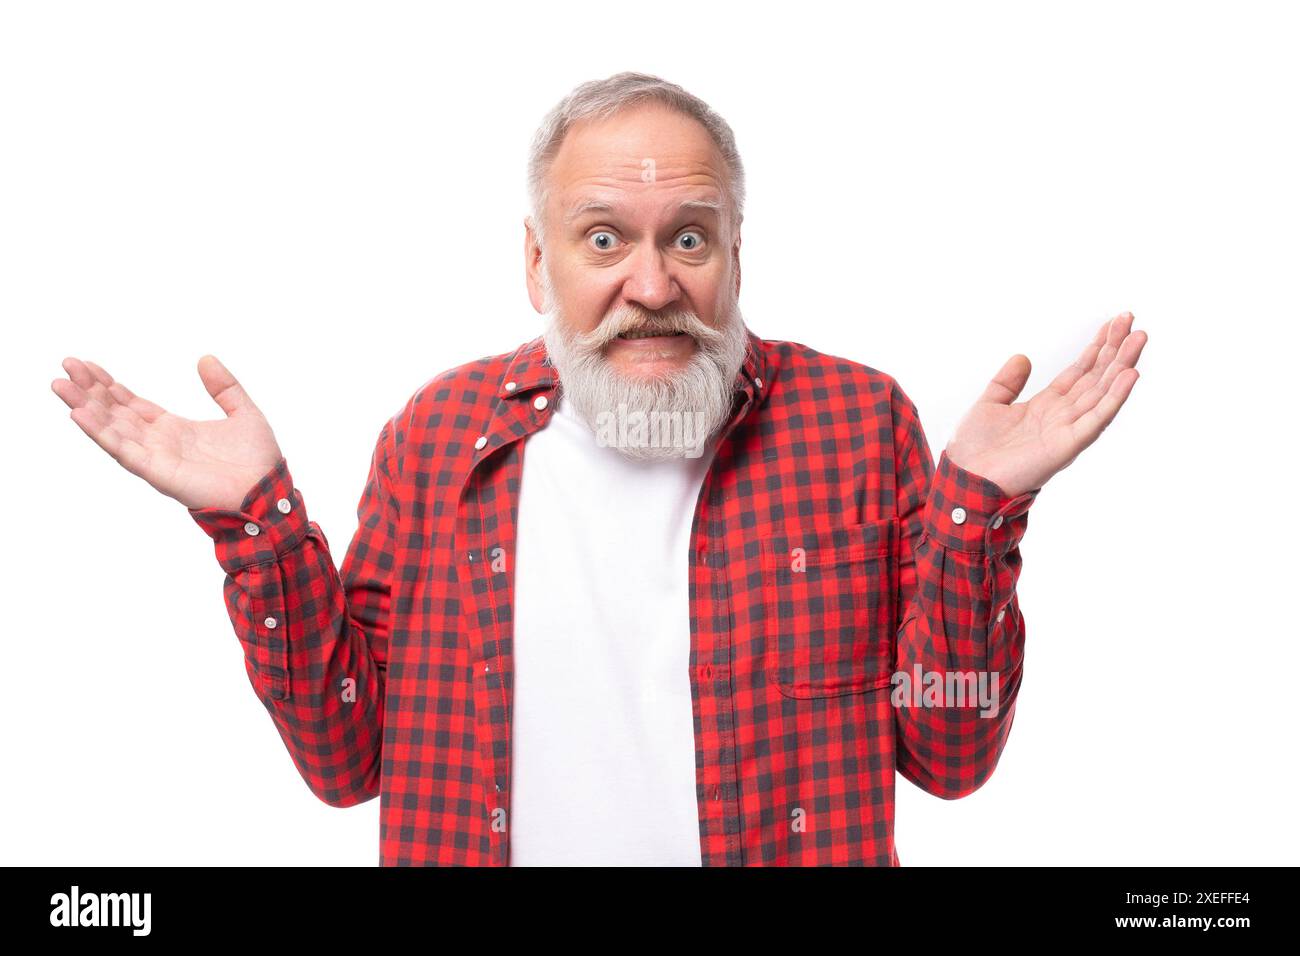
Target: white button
758,383
997,522
251,528
481,442
511,386
283,505
959,515
539,402
270,622
1002,613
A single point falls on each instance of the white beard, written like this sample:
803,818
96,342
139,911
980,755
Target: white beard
657,416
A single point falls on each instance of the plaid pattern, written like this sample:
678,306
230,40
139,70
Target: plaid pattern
825,556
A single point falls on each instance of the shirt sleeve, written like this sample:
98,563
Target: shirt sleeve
962,631
315,640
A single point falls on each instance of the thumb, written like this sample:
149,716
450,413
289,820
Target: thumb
221,385
1008,383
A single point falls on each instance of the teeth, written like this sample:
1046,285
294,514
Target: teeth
644,334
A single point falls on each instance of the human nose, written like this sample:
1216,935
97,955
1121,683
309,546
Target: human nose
650,283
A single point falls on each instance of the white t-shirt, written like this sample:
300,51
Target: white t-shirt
603,752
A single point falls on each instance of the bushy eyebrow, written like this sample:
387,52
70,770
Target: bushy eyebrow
600,205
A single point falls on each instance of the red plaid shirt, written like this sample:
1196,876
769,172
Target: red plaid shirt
827,553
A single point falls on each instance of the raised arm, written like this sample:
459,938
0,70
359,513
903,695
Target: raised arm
315,641
960,647
961,623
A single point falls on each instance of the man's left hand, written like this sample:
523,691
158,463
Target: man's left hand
1019,446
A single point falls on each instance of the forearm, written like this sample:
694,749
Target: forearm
960,650
308,653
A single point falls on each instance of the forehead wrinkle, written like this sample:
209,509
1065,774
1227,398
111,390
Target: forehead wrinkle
602,205
620,170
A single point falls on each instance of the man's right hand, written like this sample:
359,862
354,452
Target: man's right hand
208,464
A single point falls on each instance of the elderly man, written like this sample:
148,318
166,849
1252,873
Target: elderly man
646,589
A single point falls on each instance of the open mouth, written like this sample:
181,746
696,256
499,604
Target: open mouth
643,334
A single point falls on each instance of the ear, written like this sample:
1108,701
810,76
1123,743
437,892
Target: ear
735,261
533,267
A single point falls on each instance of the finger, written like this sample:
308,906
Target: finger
1072,373
92,380
221,385
1126,358
1083,364
131,424
1119,329
145,409
1115,334
98,373
72,394
80,375
1009,382
96,423
1089,426
108,435
77,397
128,424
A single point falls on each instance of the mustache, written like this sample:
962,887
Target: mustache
632,319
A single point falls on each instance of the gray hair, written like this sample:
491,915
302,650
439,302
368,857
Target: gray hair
600,99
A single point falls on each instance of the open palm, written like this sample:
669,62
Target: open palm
202,464
1018,446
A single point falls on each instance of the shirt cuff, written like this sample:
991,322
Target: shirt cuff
270,521
967,512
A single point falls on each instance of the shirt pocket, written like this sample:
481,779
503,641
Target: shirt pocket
830,608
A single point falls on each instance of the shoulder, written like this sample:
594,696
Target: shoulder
844,417
802,373
815,391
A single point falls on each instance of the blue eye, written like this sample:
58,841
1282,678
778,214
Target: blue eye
607,244
696,240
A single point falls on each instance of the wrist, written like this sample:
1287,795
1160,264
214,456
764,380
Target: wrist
1013,482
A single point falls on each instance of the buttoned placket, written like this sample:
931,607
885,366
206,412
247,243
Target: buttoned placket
710,566
522,407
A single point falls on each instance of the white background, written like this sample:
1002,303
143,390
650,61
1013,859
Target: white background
330,197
